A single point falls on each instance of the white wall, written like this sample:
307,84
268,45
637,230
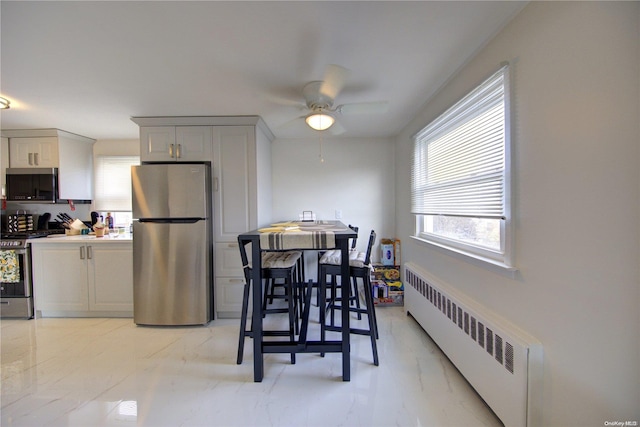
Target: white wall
355,177
116,147
576,93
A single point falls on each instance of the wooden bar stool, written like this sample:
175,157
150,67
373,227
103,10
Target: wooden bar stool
281,271
275,265
329,257
359,268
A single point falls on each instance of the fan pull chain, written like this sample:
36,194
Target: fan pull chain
321,156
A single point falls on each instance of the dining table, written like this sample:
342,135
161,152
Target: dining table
298,235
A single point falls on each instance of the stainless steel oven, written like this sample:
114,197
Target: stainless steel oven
16,288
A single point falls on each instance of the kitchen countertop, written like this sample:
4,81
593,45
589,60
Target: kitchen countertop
88,238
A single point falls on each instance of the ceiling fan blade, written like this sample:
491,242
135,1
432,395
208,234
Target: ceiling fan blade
363,108
335,77
337,129
291,123
287,102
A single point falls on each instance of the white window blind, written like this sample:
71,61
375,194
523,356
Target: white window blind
113,182
459,158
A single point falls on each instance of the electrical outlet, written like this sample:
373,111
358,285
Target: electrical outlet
338,214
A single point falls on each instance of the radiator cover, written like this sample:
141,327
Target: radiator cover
500,361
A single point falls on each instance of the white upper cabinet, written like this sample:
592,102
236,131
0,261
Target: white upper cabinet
53,148
4,161
34,152
193,143
156,143
175,143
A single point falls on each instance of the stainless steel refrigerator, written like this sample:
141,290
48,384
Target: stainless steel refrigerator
172,244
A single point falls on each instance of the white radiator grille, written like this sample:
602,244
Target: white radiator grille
466,322
501,362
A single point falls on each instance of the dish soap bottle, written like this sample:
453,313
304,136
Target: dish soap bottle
109,221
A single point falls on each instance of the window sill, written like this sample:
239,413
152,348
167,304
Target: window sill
486,263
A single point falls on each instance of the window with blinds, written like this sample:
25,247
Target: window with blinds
113,183
460,173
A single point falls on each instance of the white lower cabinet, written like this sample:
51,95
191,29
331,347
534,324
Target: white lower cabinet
229,280
83,279
229,296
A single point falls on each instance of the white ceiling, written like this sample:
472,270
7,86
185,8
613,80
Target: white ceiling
88,67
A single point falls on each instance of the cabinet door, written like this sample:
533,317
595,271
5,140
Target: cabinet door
157,143
229,292
60,277
229,279
4,160
234,181
110,272
228,262
193,143
33,152
75,178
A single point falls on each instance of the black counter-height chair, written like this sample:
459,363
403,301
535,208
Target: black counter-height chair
359,268
275,265
329,257
283,275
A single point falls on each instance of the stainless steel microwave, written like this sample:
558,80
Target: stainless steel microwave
39,185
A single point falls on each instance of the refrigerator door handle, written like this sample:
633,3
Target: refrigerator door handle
171,220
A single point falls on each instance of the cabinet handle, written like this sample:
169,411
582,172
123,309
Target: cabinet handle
232,245
31,159
215,184
179,151
81,252
171,150
236,281
89,252
36,157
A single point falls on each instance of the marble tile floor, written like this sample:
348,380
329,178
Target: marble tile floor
110,372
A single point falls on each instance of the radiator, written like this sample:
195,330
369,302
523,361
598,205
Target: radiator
501,362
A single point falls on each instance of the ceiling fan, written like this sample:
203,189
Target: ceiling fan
320,96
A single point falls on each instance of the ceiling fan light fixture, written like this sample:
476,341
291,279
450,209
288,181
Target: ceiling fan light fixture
4,104
319,121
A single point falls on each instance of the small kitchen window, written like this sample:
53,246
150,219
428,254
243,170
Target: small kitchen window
460,176
113,184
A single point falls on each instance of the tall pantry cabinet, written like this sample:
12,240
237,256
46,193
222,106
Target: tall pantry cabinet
239,149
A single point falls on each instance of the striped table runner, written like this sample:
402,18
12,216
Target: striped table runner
297,239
